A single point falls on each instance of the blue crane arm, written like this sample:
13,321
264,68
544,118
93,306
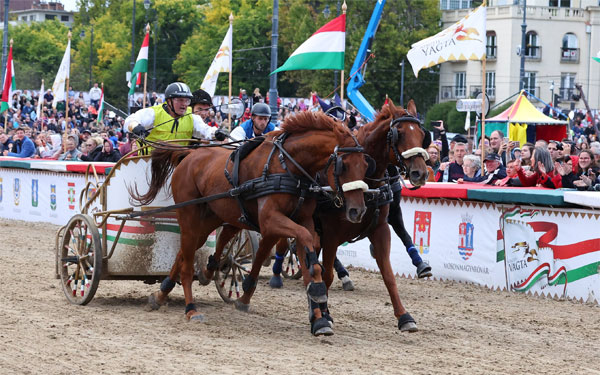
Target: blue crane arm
357,81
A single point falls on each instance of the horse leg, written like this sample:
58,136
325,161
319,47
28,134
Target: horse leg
343,274
227,233
276,280
396,221
329,249
250,281
380,238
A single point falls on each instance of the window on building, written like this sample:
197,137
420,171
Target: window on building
532,48
490,84
64,18
455,4
50,16
491,46
567,85
570,48
530,83
31,18
460,84
560,3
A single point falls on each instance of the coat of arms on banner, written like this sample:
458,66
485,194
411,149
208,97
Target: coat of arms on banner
465,237
34,192
532,263
0,190
71,195
17,191
422,231
53,197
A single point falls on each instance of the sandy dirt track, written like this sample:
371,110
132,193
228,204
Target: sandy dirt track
464,329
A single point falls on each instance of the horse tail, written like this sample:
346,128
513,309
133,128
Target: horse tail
164,162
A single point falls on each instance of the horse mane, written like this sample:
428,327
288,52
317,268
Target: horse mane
307,121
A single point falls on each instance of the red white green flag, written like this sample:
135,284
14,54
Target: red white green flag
101,108
9,82
141,65
323,50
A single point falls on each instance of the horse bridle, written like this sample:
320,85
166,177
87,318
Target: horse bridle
392,141
338,168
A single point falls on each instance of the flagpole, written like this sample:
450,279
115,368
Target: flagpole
9,99
67,87
230,73
98,115
146,73
483,96
344,7
40,96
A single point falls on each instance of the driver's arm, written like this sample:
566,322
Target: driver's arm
201,130
238,134
143,117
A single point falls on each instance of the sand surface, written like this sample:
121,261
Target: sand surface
464,329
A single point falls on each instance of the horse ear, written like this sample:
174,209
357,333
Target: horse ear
412,108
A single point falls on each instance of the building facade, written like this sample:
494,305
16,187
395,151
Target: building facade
562,36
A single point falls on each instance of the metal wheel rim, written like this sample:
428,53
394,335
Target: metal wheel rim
235,264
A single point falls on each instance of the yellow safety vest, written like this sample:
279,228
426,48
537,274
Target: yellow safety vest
167,130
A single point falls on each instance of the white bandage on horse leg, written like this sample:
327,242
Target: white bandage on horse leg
416,151
354,185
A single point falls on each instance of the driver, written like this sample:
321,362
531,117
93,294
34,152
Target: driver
201,104
172,119
257,125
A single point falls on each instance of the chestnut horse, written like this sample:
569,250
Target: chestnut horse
310,140
396,138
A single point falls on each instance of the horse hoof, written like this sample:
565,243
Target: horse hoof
321,327
196,317
203,280
276,282
153,302
424,270
347,284
241,306
327,316
317,292
406,323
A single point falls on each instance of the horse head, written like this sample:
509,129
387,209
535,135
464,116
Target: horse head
407,140
349,167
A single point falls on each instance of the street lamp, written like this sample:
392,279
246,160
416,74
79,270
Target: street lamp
146,6
82,35
132,64
402,83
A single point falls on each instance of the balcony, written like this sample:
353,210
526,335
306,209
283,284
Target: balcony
569,55
533,90
491,53
475,90
533,52
453,93
565,93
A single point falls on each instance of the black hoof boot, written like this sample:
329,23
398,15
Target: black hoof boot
320,327
406,323
276,282
317,292
424,270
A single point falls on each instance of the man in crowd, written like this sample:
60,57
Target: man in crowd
451,172
95,94
494,169
23,146
6,143
171,120
555,148
499,146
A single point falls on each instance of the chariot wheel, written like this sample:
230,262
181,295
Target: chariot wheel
80,259
235,264
290,268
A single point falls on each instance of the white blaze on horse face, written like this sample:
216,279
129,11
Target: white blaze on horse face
411,127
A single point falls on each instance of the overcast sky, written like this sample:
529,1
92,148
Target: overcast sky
69,5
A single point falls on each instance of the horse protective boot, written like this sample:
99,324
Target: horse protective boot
325,313
406,323
320,326
154,300
343,275
317,292
276,280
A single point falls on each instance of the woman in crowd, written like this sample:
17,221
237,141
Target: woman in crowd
472,168
90,148
586,167
542,171
526,152
109,153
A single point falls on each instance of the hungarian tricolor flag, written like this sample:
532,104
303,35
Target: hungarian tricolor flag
323,50
101,108
141,66
9,82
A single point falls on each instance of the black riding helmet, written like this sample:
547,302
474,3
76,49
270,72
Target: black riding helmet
178,90
201,97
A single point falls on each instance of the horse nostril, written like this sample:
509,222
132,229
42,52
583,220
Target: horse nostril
415,175
353,213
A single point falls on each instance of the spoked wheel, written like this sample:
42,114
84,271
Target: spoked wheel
80,259
291,265
235,264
